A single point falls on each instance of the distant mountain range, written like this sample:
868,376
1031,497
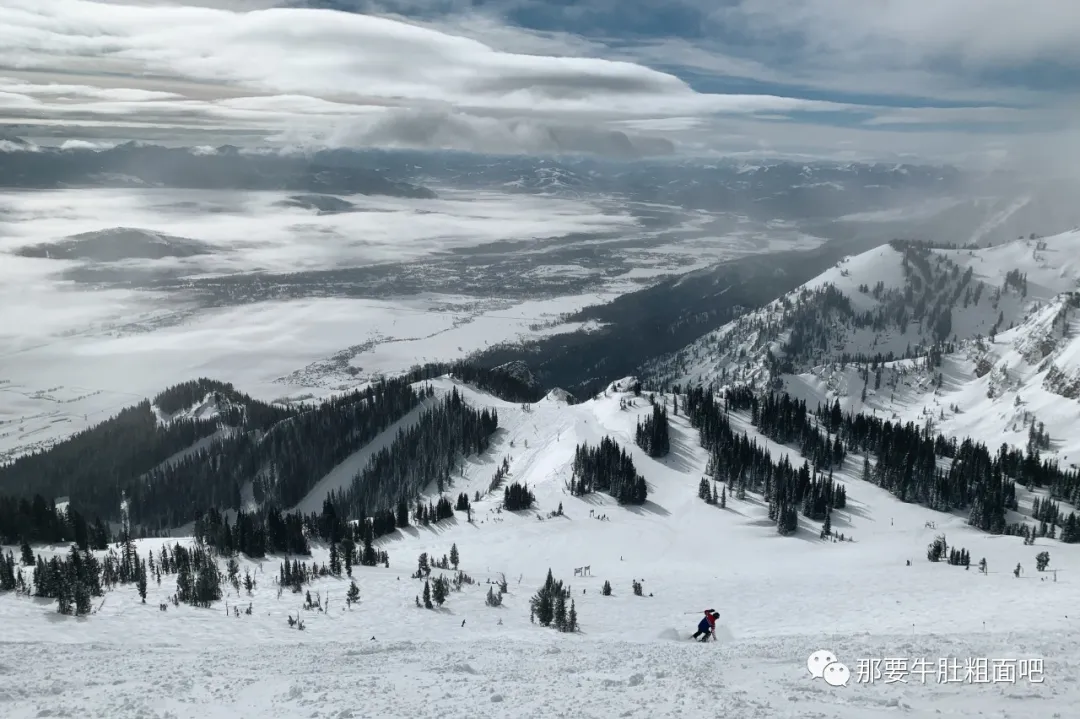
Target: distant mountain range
930,202
223,168
914,201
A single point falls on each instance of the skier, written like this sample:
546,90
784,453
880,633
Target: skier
707,626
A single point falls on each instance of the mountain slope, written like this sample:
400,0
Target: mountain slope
978,342
780,600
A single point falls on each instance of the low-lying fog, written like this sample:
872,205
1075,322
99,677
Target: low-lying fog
107,296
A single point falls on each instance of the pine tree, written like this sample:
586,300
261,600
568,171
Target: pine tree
335,560
353,595
142,582
560,612
703,489
543,602
723,498
63,593
571,622
1042,561
454,557
27,554
606,590
427,595
440,591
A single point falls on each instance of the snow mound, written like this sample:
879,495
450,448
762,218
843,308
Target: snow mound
557,396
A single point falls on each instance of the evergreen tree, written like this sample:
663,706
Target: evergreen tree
440,591
62,588
607,468
703,490
606,590
353,595
454,556
427,595
542,603
335,560
652,435
142,582
572,622
27,554
560,612
517,497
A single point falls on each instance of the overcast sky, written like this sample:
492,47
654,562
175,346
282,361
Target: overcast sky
951,80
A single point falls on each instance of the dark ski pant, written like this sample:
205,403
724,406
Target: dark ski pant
701,632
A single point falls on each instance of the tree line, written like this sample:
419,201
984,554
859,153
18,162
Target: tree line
745,466
283,463
171,469
427,454
37,521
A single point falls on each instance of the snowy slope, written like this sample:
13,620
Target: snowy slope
991,391
1025,332
1052,264
780,599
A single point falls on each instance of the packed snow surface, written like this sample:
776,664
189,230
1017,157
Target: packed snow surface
780,599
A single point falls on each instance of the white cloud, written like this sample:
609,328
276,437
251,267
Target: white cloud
953,115
368,60
321,76
913,33
472,82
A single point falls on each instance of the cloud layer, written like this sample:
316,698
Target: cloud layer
516,77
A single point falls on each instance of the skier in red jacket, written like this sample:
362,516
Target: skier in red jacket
707,626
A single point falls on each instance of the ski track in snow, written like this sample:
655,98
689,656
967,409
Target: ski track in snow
780,599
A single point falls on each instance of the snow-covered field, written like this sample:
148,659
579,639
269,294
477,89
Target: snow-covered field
780,599
74,353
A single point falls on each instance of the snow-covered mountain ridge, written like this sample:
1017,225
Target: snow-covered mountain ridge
976,342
